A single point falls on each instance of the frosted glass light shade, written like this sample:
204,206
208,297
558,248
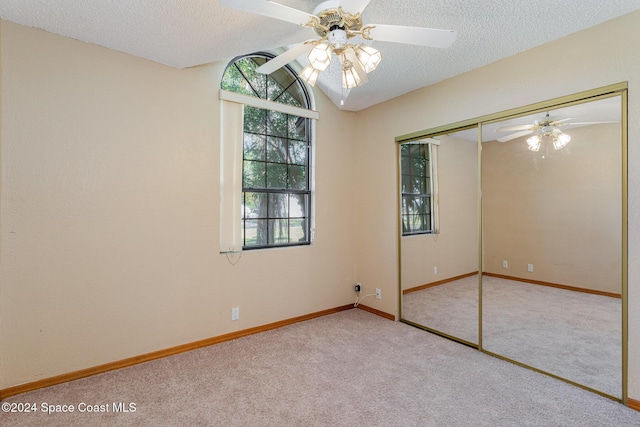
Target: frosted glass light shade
560,140
533,143
309,74
320,56
369,57
350,77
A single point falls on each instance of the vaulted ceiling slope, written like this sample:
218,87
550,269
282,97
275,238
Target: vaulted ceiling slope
188,33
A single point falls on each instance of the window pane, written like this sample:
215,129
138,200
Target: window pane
418,185
255,232
297,230
406,165
255,205
277,123
277,82
255,120
298,206
276,176
278,205
254,146
298,152
287,98
424,151
297,128
406,183
418,166
417,206
278,231
234,81
418,223
253,174
277,150
257,81
297,177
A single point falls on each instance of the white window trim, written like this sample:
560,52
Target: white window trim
265,104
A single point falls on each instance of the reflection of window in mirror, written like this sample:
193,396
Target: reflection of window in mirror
418,182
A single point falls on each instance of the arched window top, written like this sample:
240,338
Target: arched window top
283,85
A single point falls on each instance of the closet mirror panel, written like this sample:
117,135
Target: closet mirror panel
552,200
439,241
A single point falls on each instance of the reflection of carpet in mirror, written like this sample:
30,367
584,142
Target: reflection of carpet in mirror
451,308
575,335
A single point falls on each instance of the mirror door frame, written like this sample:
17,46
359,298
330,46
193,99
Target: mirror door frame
619,89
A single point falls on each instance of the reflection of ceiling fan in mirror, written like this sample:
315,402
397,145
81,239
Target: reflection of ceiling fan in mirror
548,127
337,23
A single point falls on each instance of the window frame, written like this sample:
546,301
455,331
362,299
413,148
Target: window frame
429,185
305,193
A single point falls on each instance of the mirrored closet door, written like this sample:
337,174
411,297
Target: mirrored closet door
512,236
439,234
552,230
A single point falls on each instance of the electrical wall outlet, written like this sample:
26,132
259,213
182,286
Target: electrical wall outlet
358,287
530,268
235,313
435,270
505,264
378,293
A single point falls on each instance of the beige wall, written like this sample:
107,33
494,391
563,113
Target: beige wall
110,212
590,59
561,213
454,250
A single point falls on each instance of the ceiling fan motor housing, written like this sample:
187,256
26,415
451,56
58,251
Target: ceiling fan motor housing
337,38
331,17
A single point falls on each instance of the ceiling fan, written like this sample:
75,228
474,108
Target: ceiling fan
549,127
336,24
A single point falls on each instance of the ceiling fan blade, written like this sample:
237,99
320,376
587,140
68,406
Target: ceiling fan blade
413,35
514,128
270,9
285,57
587,123
354,6
514,136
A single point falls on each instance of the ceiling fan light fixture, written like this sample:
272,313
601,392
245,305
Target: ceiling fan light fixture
320,56
309,74
350,77
369,57
560,140
533,143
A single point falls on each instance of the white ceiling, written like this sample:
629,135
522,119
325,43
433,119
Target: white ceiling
194,32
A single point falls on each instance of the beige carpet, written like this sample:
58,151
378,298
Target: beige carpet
348,369
450,308
575,335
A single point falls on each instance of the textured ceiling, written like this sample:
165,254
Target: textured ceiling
188,33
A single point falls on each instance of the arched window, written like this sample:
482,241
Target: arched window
276,187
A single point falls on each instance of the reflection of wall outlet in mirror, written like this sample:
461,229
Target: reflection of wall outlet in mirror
505,264
530,268
435,270
378,294
235,313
